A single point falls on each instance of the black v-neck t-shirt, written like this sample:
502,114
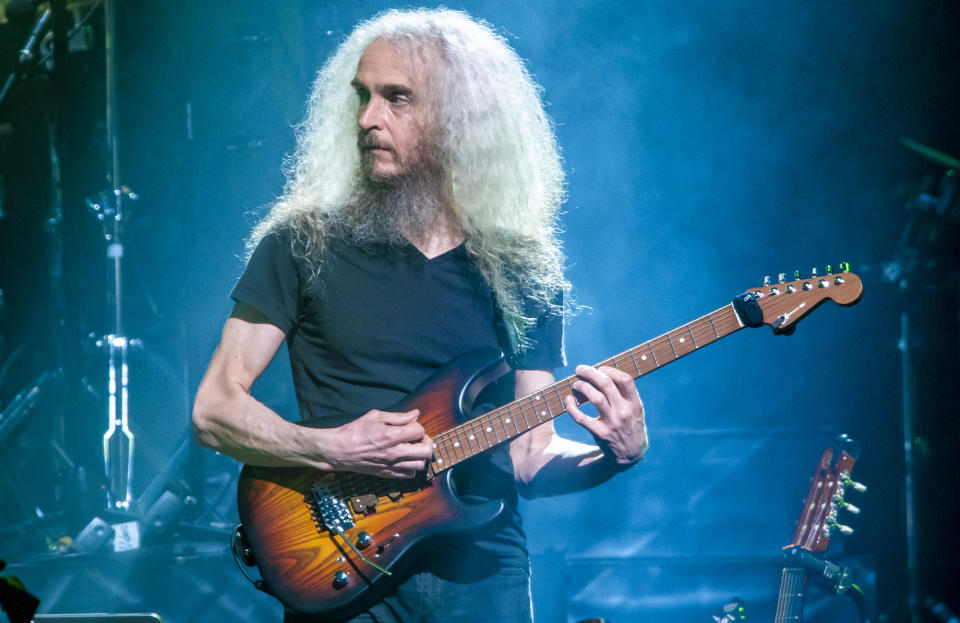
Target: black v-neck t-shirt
375,323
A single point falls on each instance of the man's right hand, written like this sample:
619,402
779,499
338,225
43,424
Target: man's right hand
380,443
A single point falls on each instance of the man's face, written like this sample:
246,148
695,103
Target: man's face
392,116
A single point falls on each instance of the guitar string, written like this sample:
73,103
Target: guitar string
790,584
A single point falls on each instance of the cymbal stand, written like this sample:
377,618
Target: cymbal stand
118,440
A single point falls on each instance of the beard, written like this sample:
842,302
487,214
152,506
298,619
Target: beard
392,211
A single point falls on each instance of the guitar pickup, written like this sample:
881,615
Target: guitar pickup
364,503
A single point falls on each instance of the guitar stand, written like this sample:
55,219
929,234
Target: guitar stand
838,580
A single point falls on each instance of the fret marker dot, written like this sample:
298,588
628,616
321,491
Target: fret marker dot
643,357
472,437
456,444
543,413
538,398
682,340
439,460
489,430
507,420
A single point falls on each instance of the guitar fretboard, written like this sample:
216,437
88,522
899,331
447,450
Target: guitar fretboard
793,583
513,419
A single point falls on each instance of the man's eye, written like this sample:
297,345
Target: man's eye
399,99
363,95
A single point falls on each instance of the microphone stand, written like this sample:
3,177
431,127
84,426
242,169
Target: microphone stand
26,56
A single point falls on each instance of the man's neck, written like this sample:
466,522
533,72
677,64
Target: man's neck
446,234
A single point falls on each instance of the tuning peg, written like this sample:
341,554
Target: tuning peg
838,527
829,269
845,267
781,277
766,280
847,506
813,272
856,486
796,275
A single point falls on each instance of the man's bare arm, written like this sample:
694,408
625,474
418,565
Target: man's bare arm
228,419
547,464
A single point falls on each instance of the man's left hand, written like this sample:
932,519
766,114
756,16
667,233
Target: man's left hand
619,426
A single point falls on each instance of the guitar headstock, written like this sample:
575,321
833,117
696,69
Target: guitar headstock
831,481
781,305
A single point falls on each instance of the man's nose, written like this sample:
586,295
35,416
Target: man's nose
370,115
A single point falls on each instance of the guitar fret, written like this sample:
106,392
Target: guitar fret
658,348
510,420
653,354
438,454
556,389
485,429
458,446
692,339
471,436
569,389
706,333
614,363
438,451
463,444
493,426
523,414
548,412
670,344
446,452
488,430
713,326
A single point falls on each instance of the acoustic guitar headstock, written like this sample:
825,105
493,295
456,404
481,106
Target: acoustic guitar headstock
831,481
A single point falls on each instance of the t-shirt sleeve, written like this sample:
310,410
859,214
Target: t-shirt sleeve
271,281
546,348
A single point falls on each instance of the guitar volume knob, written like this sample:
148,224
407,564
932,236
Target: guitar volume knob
364,539
340,579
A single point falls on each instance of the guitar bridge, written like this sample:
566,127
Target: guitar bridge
334,513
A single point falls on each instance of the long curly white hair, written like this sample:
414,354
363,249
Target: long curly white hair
494,141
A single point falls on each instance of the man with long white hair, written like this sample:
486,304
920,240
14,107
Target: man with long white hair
419,222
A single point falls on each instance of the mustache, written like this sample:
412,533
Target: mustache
370,141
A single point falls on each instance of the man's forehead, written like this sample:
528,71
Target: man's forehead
386,61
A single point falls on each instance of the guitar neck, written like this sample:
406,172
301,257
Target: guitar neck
793,583
514,419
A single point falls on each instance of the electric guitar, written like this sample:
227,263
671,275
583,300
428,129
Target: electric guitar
817,523
333,543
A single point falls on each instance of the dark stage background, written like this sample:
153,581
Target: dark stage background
707,144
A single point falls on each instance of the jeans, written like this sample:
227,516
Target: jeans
426,598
